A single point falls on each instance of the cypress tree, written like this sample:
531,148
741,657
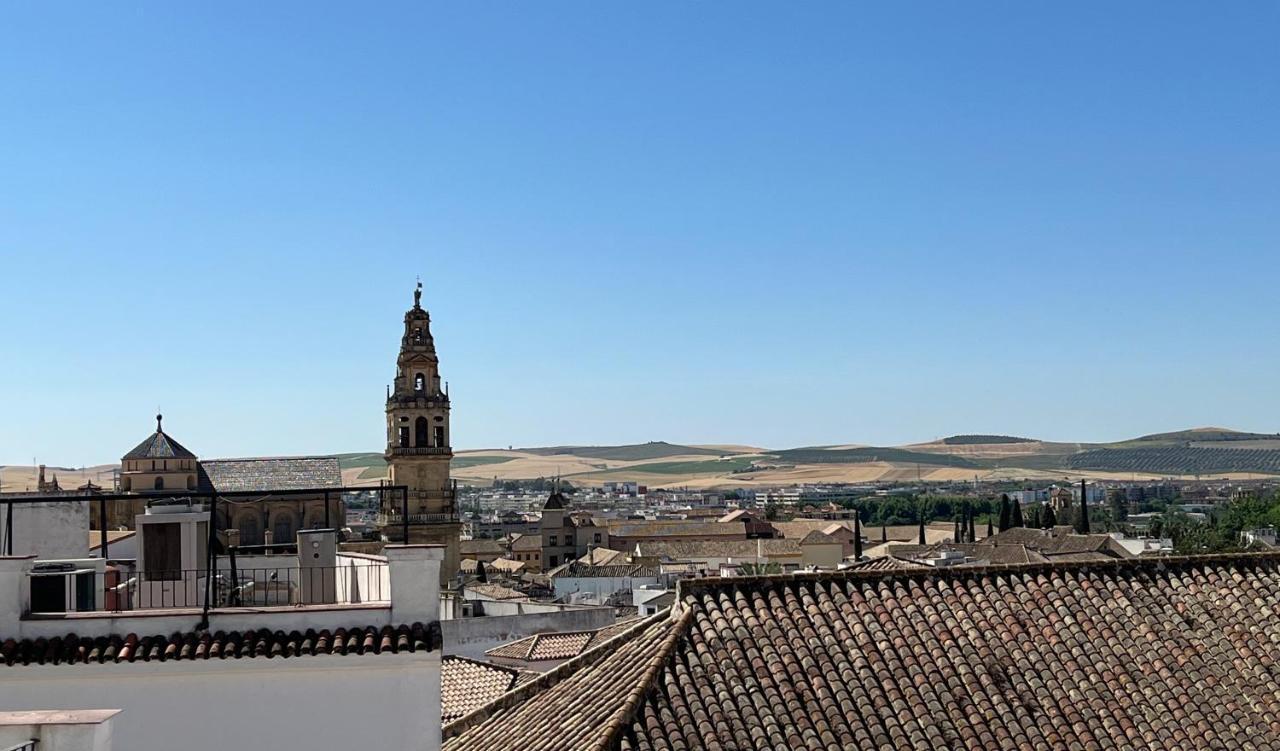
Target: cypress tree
1082,518
857,537
922,542
1035,518
1017,514
1004,512
481,575
955,529
1050,520
989,530
973,532
884,533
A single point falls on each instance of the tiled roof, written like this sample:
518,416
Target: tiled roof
696,550
557,646
472,548
466,685
505,564
270,473
560,645
1061,541
631,528
885,563
817,538
75,650
979,553
1144,653
573,706
496,592
159,445
798,528
603,557
527,542
579,570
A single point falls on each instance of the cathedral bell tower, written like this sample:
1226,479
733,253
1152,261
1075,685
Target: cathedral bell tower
418,448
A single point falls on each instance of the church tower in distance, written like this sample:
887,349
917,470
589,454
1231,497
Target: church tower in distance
418,448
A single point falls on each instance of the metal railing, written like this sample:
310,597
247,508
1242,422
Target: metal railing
232,586
30,745
440,518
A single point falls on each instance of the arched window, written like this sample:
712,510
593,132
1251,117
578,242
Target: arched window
159,483
250,534
419,382
283,528
417,335
420,431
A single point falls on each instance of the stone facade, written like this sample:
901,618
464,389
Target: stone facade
418,444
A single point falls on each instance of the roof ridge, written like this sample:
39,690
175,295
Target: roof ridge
624,716
687,586
524,692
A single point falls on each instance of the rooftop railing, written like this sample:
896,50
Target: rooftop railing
351,581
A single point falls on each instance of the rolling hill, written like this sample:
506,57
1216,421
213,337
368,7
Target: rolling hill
1199,452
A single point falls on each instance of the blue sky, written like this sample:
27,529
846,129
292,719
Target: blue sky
771,223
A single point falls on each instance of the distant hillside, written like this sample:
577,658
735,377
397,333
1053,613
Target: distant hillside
1177,460
1208,434
966,440
632,453
872,454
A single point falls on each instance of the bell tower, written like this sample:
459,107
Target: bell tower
418,444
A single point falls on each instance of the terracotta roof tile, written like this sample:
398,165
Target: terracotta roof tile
559,645
1146,653
76,650
466,685
496,592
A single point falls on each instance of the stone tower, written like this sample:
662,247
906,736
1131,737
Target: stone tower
418,448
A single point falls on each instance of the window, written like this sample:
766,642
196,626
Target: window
440,436
162,549
159,483
552,540
420,431
404,436
596,538
250,532
555,561
283,530
419,382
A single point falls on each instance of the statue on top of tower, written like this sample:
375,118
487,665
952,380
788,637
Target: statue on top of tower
417,296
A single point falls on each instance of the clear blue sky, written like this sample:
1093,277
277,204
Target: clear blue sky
778,223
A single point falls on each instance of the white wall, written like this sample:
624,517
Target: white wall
50,530
167,622
600,586
86,730
471,637
305,703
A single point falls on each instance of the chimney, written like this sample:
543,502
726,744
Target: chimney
414,571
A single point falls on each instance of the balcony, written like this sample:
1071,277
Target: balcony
420,451
390,520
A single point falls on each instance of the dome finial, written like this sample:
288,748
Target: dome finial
159,417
